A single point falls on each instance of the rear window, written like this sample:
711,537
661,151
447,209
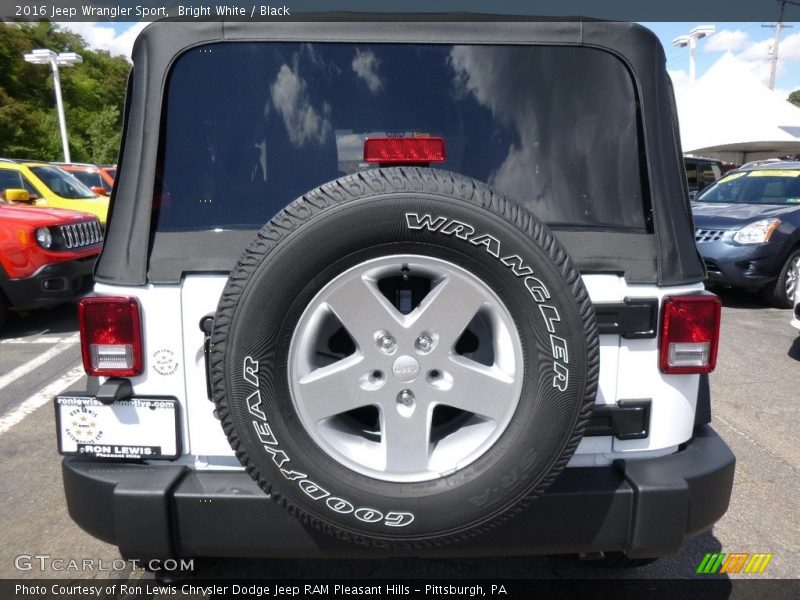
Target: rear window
250,126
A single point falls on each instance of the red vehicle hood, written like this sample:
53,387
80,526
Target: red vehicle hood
26,215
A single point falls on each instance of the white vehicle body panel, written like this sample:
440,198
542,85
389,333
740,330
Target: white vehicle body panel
171,316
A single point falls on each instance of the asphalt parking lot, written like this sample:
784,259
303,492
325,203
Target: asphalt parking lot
755,406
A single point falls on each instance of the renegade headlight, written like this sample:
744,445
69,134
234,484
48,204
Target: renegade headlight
756,233
44,237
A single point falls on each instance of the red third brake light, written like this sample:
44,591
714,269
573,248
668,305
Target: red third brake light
111,336
689,334
406,150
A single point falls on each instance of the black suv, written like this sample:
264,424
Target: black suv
352,303
748,230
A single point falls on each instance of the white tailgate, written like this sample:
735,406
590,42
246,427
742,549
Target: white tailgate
175,363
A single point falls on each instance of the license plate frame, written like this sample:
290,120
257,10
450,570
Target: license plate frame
87,427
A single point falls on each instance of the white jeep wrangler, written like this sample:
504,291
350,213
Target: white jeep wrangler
373,288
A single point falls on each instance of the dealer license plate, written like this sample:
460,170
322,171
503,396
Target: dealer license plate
136,429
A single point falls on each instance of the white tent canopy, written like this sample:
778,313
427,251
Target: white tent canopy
730,114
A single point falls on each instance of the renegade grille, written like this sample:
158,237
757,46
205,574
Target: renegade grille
708,235
80,235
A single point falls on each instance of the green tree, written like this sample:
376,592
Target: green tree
104,136
93,92
794,98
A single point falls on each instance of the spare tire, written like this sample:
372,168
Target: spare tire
403,356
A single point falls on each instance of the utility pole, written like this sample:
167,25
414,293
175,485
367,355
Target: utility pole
774,53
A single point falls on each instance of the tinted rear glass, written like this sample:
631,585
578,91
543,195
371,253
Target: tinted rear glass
248,127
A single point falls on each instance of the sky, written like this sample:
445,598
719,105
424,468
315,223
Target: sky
749,42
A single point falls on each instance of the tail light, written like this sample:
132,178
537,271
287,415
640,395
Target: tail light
689,334
111,336
405,150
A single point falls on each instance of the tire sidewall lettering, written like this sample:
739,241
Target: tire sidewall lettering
443,225
343,507
368,515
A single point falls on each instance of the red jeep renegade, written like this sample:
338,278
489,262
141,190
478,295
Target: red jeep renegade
46,255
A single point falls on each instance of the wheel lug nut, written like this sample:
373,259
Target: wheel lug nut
424,343
387,343
405,397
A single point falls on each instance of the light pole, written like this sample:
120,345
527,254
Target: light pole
690,40
64,59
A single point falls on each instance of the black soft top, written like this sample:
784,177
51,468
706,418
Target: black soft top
133,255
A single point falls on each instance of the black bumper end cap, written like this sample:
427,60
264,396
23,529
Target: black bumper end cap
679,495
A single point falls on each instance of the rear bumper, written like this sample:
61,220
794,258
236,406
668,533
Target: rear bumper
52,284
645,507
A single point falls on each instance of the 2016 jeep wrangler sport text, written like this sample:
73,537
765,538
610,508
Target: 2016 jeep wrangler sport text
407,280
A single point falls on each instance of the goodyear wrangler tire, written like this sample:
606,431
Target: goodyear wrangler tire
404,357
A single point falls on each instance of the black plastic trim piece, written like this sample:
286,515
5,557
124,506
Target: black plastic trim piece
633,318
625,420
702,411
114,390
206,326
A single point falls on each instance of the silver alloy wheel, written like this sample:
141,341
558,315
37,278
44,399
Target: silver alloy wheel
792,276
404,398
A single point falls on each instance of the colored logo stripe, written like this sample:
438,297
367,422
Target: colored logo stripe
711,563
734,562
758,562
721,562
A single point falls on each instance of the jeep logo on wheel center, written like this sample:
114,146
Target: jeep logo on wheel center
406,368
